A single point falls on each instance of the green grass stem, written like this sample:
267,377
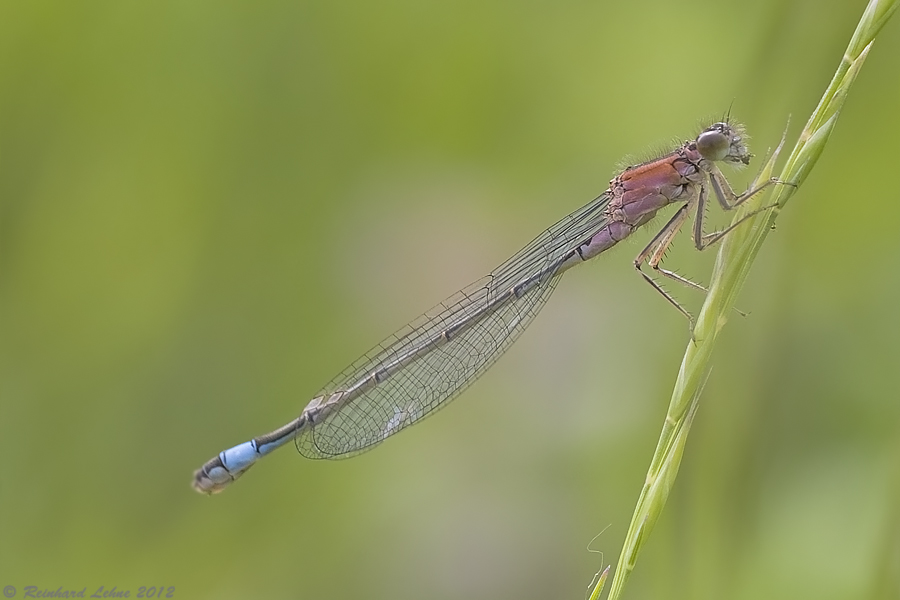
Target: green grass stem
733,261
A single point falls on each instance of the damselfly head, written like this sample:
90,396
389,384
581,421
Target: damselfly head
723,141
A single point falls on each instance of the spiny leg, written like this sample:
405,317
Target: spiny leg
653,252
707,240
659,253
725,194
702,241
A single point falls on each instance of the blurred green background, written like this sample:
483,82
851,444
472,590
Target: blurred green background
208,209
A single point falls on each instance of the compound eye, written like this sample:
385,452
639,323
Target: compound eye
713,145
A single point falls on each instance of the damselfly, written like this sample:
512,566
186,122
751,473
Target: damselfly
430,361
